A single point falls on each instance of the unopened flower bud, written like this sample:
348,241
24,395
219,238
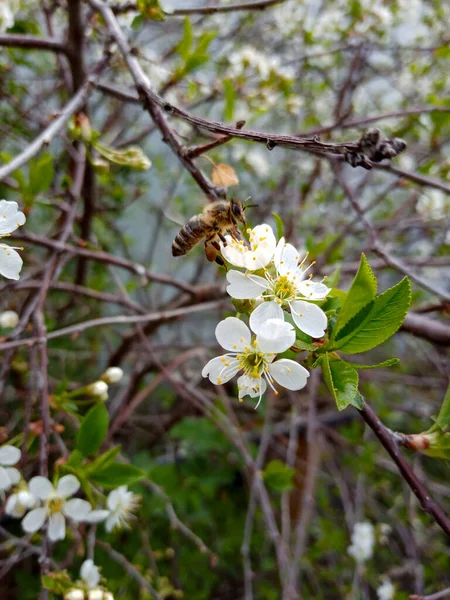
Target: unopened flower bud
244,307
85,127
96,594
74,594
98,388
112,375
8,319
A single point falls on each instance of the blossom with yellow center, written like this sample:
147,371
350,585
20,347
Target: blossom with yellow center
255,358
285,285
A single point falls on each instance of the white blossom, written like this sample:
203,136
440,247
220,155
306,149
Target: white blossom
255,358
112,375
21,501
9,476
288,287
10,219
90,578
121,503
8,319
363,541
56,506
386,590
258,255
8,8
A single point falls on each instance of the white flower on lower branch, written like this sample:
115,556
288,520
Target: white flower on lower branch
363,542
284,285
10,219
56,507
9,476
90,578
255,358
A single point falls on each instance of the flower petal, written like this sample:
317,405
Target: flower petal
56,527
289,374
234,251
9,455
111,522
41,488
286,258
13,508
67,486
233,334
263,312
251,386
96,516
309,318
275,336
89,572
14,475
116,496
77,509
245,286
5,482
10,217
10,262
221,369
263,244
34,520
313,290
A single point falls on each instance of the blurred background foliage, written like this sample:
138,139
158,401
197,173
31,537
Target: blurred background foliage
330,68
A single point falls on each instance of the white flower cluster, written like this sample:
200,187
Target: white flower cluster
276,279
88,585
53,505
363,542
10,219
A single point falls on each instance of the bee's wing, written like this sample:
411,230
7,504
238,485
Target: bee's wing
171,212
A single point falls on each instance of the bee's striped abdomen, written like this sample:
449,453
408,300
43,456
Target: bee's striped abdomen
190,235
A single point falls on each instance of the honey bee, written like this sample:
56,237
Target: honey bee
217,219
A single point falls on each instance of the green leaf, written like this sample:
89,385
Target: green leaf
361,292
75,460
93,430
342,381
103,460
230,99
184,47
386,363
41,173
443,418
117,474
301,345
377,321
279,224
278,476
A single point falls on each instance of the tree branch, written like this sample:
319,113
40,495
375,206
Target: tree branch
427,503
34,42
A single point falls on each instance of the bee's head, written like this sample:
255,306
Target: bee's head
237,211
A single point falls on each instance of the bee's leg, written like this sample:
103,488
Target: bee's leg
221,262
234,234
222,238
210,251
